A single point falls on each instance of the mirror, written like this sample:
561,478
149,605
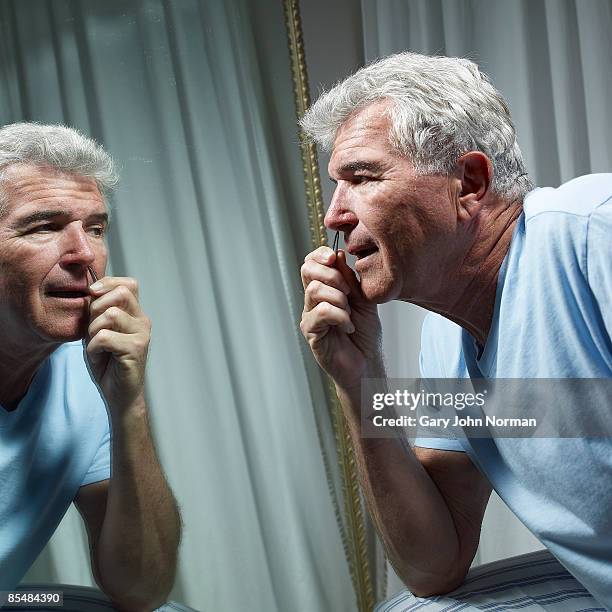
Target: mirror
195,102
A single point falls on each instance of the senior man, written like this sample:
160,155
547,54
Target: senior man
72,358
435,204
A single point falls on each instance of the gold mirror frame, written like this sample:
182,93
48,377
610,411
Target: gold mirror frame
354,533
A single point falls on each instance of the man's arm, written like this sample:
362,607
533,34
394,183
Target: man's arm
132,520
133,524
426,505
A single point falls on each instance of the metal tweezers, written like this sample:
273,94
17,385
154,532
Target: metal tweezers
93,274
336,242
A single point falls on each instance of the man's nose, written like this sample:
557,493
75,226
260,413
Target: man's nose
339,215
76,246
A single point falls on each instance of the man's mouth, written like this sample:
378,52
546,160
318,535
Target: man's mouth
364,252
67,294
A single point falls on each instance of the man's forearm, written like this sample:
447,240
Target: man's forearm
137,549
408,511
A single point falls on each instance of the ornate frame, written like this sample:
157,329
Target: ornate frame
353,529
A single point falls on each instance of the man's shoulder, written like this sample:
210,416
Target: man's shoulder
556,221
578,198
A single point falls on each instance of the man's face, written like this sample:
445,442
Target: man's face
395,222
52,229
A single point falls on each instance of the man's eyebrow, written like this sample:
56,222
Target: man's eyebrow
45,215
99,217
356,166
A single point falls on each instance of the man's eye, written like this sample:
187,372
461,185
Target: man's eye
45,227
97,230
361,178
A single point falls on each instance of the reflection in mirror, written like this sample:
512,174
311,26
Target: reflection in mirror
194,102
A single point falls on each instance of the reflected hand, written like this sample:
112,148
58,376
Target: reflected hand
340,325
119,335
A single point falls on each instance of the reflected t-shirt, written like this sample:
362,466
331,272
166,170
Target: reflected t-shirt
552,319
56,441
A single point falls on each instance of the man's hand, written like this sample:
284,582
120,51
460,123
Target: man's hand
119,334
340,325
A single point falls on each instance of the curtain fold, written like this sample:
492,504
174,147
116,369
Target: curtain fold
550,59
194,100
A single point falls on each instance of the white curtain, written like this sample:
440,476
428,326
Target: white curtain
194,99
551,60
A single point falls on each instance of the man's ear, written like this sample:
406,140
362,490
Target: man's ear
474,172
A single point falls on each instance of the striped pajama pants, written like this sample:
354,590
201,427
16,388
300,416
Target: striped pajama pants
535,581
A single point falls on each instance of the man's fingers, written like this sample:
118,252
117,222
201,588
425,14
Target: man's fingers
323,255
348,275
119,344
118,320
318,292
317,321
108,283
120,296
109,341
313,270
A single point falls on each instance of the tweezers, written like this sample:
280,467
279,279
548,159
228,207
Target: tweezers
93,274
336,242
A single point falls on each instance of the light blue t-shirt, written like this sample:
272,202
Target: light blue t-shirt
552,319
56,441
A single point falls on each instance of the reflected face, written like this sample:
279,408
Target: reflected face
395,222
52,228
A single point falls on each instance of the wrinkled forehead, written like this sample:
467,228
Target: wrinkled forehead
364,132
371,117
31,184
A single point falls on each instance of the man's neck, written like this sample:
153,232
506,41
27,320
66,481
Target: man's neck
470,288
18,367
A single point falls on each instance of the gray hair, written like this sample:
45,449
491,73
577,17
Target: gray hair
441,108
58,146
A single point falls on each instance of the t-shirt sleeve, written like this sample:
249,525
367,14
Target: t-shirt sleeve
431,367
599,263
100,466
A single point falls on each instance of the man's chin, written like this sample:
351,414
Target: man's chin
59,322
66,333
376,291
62,338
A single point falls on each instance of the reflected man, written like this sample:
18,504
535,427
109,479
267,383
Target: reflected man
435,203
57,328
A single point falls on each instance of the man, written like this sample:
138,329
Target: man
435,204
73,357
